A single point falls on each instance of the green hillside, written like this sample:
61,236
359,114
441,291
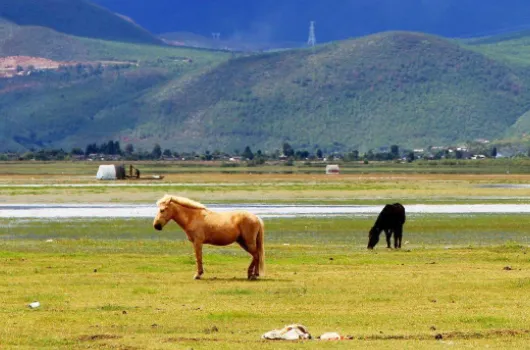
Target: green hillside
95,94
75,17
405,88
521,128
400,88
83,103
498,38
43,42
38,42
190,39
231,44
513,48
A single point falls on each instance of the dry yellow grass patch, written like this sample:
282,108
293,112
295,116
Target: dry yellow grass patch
315,188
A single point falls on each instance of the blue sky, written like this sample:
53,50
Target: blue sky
288,20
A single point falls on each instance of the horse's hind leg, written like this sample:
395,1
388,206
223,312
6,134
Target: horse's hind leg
253,268
397,237
388,234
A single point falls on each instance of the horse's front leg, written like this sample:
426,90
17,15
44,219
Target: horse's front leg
197,246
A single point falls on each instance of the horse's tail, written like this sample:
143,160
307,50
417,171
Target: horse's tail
260,243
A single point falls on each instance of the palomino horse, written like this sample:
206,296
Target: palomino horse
203,226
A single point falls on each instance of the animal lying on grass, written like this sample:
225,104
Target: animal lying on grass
391,220
203,226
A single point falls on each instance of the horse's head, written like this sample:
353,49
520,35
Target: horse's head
180,209
373,237
164,214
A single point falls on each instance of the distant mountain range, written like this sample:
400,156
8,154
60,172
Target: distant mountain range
75,17
218,43
394,87
288,20
65,85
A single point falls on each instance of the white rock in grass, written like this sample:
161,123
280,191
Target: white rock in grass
34,305
330,336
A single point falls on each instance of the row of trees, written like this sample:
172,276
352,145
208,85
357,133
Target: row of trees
112,149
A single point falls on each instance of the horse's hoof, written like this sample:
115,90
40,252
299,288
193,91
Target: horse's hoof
252,277
197,277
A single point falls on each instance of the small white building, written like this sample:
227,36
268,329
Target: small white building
106,172
332,169
111,172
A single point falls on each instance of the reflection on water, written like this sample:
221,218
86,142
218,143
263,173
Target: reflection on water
504,186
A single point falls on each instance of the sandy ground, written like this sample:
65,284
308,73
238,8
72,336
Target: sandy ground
8,65
273,188
53,178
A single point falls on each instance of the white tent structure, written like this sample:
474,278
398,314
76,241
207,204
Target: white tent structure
106,172
111,172
332,169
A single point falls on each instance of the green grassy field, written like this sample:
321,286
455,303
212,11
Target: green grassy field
120,284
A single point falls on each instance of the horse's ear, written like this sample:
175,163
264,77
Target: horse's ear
163,199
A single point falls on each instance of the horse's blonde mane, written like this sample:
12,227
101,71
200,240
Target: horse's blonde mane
190,203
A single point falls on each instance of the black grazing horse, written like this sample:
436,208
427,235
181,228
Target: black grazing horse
391,220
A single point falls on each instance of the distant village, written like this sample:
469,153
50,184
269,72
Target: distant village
112,151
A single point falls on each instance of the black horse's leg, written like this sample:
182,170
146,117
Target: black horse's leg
373,237
398,236
388,234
